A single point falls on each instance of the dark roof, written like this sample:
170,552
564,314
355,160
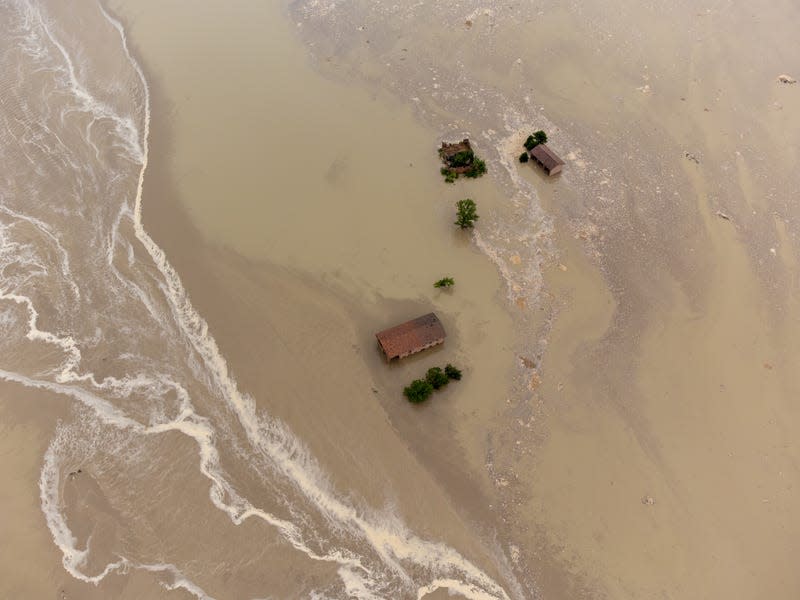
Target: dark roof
412,336
546,157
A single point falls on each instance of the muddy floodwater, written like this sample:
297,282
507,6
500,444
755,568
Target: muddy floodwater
208,209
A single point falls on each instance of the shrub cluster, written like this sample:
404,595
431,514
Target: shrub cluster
418,391
461,159
452,372
436,378
445,282
477,169
536,138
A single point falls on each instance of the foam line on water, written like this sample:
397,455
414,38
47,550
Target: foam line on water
125,126
178,582
187,423
67,344
74,558
48,232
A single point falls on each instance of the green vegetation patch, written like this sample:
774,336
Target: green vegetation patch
452,372
477,169
461,159
418,391
536,138
436,378
445,282
466,214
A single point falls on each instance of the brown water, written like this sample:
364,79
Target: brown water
625,425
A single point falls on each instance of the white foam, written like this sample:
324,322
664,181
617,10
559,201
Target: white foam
74,558
178,582
124,126
44,228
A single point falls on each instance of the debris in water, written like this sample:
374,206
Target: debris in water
648,501
722,215
535,382
787,79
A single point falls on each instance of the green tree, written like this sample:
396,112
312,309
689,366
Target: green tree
452,372
462,158
445,282
538,137
523,158
529,143
418,391
477,168
467,214
436,378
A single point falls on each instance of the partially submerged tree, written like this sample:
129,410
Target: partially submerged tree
538,137
418,391
523,158
462,158
452,372
436,378
477,168
467,213
445,282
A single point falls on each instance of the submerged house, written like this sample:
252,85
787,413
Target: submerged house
458,156
548,159
411,337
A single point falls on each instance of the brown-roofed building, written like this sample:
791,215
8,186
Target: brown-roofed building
547,158
412,336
